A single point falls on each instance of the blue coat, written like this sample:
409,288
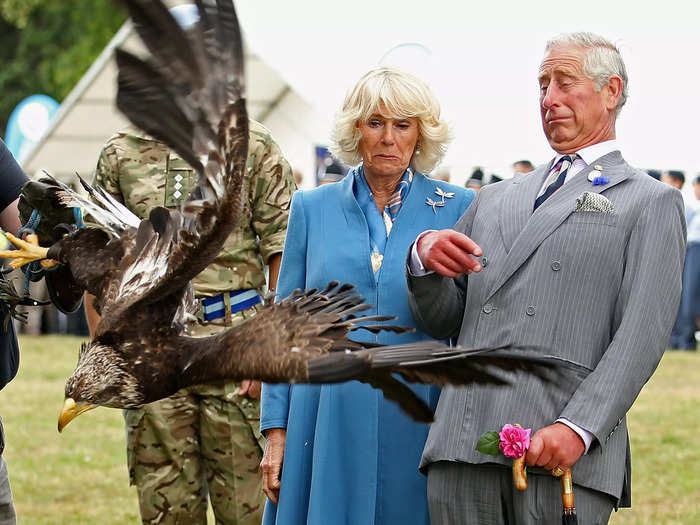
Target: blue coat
352,457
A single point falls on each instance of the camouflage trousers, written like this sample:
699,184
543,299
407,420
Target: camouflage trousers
202,440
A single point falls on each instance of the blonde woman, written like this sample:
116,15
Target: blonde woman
342,453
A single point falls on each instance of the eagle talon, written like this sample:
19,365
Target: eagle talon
28,251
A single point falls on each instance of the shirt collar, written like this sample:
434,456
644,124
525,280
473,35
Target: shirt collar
592,152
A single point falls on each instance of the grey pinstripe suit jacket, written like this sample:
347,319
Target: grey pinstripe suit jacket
597,290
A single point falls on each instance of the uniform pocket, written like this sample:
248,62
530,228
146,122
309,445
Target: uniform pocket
251,412
180,180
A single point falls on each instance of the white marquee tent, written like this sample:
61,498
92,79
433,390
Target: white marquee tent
88,116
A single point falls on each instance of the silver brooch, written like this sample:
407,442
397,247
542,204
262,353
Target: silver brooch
439,204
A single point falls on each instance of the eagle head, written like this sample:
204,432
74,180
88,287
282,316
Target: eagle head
100,379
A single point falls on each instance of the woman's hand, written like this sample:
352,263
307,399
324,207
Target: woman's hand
271,463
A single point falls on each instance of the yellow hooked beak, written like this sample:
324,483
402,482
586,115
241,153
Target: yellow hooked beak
70,411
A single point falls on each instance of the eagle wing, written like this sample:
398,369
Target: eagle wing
305,339
275,344
189,95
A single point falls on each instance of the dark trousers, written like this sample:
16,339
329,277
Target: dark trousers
690,300
7,509
683,333
466,494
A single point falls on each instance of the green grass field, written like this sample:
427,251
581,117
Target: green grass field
80,477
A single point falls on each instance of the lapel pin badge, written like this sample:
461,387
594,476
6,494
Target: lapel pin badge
596,176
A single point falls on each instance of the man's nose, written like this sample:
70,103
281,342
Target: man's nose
548,97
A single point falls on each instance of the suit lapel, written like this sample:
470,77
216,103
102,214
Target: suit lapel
354,217
517,203
413,207
355,235
552,212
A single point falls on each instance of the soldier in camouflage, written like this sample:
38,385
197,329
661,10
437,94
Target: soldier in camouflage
209,431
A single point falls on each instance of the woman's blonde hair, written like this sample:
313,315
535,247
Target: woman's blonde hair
393,94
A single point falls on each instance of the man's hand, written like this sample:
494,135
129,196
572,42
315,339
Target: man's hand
271,463
449,253
555,446
250,388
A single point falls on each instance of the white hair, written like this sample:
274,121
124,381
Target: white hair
603,59
395,94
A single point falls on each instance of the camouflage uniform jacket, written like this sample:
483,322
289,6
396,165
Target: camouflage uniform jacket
142,173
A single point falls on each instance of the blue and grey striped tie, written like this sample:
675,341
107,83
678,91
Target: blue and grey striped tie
563,166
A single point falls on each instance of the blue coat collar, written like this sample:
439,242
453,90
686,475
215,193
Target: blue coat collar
421,188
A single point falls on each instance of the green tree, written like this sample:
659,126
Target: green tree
47,45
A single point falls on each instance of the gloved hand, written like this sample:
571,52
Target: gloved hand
54,222
40,195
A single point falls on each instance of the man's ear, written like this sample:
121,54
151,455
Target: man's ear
613,90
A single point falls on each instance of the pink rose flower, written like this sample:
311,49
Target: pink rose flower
515,440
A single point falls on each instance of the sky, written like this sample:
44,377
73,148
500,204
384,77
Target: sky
481,59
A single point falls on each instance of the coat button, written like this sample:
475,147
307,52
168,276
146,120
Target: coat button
487,309
556,266
484,261
530,310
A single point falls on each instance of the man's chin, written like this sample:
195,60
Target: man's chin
561,143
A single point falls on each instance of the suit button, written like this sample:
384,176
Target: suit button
530,310
487,309
556,266
484,261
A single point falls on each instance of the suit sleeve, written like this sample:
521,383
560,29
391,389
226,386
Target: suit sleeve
437,302
274,401
646,308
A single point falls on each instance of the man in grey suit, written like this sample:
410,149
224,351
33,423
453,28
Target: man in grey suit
580,258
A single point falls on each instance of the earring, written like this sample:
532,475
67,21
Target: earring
417,152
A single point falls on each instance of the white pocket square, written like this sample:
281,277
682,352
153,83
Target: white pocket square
594,202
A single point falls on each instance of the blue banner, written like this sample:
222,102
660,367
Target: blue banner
27,124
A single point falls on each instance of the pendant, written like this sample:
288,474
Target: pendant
376,259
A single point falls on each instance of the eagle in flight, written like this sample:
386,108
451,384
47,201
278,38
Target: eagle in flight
190,95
